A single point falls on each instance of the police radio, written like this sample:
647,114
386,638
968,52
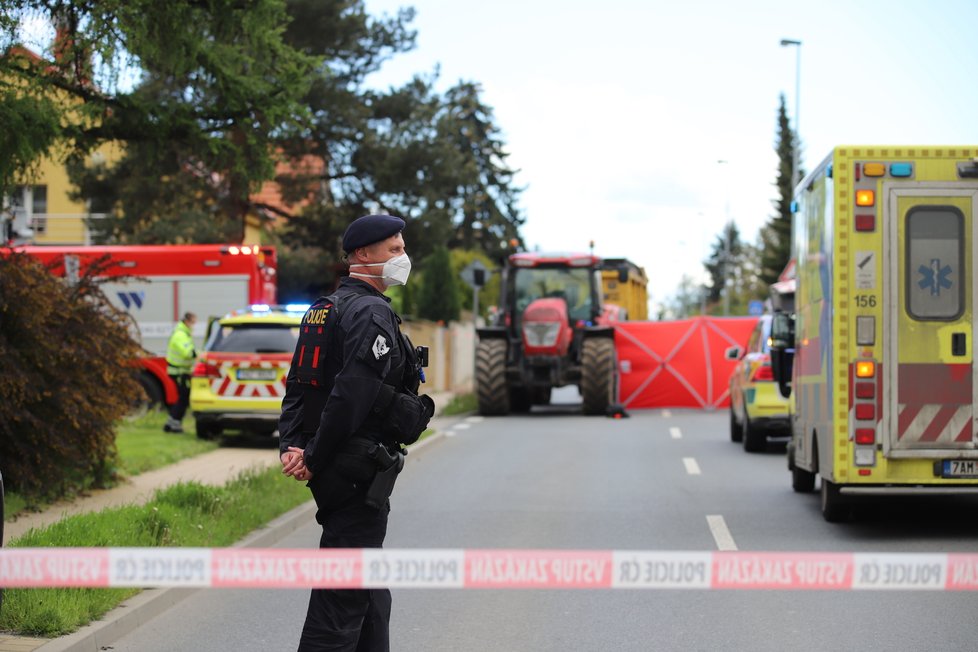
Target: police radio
422,353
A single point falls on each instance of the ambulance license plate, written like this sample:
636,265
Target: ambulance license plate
257,374
960,469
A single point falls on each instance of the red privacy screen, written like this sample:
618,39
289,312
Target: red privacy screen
678,363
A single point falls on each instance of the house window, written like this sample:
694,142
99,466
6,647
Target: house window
39,208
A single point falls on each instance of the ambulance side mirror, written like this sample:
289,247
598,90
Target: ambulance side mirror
783,350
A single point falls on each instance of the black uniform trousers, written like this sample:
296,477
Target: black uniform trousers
179,409
352,620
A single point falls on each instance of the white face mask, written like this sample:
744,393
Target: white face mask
396,270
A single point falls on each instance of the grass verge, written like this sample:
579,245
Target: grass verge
183,515
143,446
460,404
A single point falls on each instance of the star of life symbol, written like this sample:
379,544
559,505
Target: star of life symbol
380,347
934,277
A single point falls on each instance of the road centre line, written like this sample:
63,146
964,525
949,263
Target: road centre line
692,467
475,419
462,426
721,533
675,433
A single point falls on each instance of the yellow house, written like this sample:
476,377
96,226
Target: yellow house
40,209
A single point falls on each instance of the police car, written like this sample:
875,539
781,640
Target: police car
239,380
757,409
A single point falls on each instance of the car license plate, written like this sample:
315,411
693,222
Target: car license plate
960,469
257,374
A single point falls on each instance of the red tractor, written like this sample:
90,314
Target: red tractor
551,331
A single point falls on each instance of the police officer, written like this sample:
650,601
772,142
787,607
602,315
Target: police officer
180,354
351,401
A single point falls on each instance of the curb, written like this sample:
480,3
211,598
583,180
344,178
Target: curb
150,603
143,607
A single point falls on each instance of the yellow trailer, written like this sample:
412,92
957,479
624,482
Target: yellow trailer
624,284
881,357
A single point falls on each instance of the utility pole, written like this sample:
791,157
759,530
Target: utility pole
725,291
795,167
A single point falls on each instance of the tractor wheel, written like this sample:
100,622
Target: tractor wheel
490,377
598,386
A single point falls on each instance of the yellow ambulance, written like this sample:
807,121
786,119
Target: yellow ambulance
878,355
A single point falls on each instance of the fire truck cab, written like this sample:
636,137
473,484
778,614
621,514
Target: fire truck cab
878,356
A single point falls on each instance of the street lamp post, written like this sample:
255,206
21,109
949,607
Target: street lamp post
795,169
726,242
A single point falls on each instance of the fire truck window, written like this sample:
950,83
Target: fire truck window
934,263
266,338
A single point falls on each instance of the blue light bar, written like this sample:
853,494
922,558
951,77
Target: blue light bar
297,307
901,169
260,307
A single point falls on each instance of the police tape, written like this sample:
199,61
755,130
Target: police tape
270,568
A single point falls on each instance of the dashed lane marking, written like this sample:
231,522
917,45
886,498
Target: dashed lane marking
721,533
675,433
462,426
475,419
692,467
666,413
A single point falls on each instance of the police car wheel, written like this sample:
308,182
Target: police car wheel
754,440
736,434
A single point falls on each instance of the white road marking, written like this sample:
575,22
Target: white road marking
666,413
675,433
475,419
721,534
461,426
692,467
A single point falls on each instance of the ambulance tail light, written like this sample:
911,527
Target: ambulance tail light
865,369
206,370
865,436
763,372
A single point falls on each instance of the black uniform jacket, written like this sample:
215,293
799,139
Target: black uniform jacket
360,352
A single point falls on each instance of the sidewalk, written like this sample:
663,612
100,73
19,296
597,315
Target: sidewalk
214,468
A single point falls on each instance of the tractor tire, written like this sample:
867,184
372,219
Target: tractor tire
492,390
598,377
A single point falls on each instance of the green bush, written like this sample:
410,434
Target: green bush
67,377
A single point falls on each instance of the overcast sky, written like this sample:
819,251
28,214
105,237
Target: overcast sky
616,112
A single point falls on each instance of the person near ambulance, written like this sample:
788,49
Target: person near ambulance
180,356
351,402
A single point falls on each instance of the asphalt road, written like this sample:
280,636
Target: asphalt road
660,480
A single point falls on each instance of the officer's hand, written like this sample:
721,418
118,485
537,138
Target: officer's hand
292,461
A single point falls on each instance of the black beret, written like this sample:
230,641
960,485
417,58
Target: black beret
369,229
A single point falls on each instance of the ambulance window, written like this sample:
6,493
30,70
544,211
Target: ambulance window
934,263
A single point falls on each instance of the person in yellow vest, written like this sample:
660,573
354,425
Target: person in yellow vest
180,355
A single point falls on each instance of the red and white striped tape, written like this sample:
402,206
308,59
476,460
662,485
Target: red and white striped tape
484,569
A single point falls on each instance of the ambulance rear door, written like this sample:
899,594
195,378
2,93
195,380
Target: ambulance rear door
929,332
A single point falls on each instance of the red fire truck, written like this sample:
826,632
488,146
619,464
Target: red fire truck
157,284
